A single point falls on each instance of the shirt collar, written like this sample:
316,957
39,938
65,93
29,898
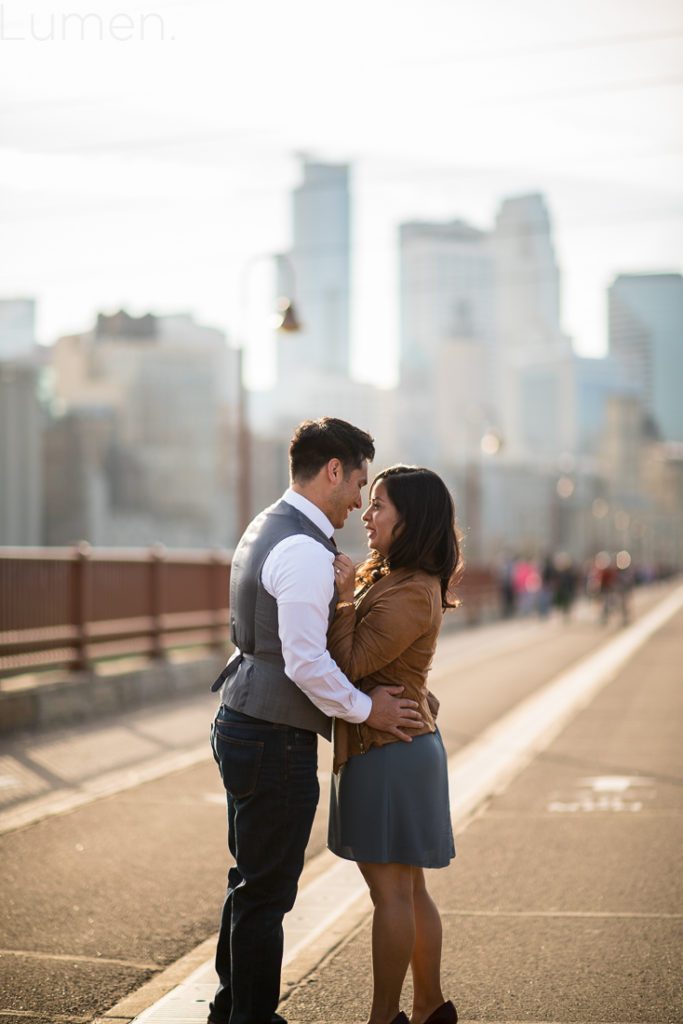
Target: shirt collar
310,510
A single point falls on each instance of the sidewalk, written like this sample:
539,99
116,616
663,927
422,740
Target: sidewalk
564,902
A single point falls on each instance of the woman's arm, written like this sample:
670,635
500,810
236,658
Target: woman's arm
394,621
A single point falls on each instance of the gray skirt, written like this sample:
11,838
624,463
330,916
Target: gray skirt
391,805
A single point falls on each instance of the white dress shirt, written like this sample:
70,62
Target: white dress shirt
298,573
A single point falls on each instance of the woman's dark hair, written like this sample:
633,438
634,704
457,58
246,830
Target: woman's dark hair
315,442
428,538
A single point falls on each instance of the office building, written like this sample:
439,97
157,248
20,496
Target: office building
448,380
645,323
147,401
316,273
527,276
533,355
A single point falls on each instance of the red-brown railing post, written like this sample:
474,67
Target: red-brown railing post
156,557
80,600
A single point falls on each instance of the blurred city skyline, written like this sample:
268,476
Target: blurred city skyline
138,430
149,149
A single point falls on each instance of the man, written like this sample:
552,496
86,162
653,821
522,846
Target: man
280,689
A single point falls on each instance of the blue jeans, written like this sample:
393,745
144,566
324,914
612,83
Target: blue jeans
270,775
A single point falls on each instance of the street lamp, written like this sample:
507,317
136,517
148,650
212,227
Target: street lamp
284,319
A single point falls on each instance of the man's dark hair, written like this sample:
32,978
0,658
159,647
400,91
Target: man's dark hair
428,539
315,442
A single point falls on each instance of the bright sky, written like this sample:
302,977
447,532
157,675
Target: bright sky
146,163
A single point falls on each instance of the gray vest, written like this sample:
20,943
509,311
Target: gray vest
255,681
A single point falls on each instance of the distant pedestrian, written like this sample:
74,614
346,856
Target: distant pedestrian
625,581
565,583
526,580
280,689
546,593
507,588
389,808
606,579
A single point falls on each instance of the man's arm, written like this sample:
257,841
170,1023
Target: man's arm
298,574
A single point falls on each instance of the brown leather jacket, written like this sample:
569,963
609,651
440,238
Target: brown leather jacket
388,638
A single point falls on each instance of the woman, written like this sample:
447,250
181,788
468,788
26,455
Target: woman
389,807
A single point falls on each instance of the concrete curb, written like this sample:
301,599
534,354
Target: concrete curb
50,702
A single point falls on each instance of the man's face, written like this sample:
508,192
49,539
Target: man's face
346,494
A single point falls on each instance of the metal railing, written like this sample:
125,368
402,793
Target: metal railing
65,608
479,594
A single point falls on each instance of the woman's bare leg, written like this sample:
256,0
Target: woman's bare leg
393,935
425,962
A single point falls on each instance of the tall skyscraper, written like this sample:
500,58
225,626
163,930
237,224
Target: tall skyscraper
527,276
446,289
317,274
645,318
533,355
481,343
447,293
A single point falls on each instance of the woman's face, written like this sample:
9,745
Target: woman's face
380,518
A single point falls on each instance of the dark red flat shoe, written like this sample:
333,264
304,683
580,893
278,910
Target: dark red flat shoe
444,1014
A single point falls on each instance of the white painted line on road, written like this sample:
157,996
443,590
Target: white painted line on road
502,750
613,794
484,767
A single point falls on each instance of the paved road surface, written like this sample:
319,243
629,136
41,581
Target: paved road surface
102,897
